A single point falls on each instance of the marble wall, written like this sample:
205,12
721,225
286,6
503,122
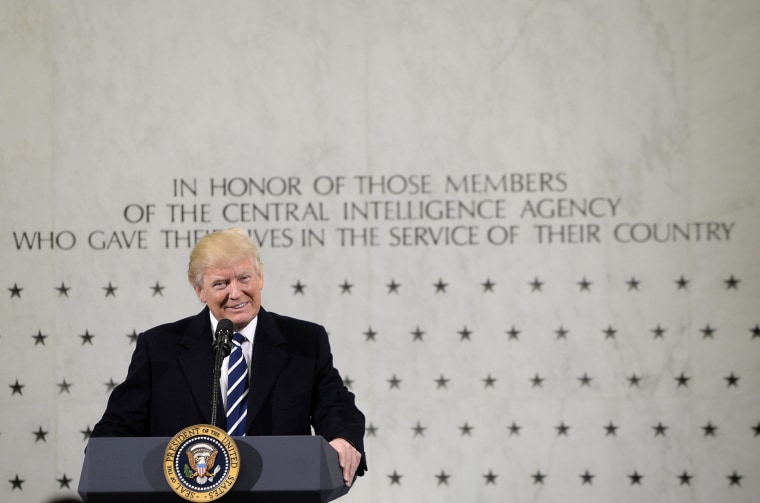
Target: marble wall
529,227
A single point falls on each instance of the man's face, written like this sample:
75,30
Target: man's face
232,292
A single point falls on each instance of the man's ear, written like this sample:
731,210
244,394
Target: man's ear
199,292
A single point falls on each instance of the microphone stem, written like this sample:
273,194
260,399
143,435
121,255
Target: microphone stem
219,357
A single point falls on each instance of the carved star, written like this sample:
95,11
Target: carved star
587,478
732,283
110,385
158,289
537,381
419,430
64,386
371,430
393,287
16,388
417,334
488,285
298,288
513,333
443,478
634,380
732,380
735,479
609,332
585,285
442,382
110,290
440,286
514,429
682,380
635,477
466,429
561,332
756,428
39,338
611,430
348,382
464,334
490,477
489,381
685,478
535,285
755,331
710,429
86,432
370,334
633,284
15,292
395,478
132,337
63,290
585,380
659,429
40,434
87,338
16,483
562,429
659,332
394,382
708,331
538,477
64,482
682,283
345,287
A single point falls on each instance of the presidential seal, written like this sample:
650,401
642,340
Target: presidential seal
201,463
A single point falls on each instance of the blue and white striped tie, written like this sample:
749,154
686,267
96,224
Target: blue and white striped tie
237,389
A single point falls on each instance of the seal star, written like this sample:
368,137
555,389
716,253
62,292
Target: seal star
345,287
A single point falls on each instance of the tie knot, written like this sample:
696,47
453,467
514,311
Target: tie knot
238,338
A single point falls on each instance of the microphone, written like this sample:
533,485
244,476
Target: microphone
222,348
223,336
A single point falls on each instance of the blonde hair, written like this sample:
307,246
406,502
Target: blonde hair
222,249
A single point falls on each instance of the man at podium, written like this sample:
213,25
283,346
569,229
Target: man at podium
287,382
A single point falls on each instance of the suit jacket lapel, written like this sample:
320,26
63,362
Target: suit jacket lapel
268,358
197,363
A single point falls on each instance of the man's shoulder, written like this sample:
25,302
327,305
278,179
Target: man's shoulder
289,323
175,328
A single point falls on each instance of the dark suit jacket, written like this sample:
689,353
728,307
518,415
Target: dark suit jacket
293,387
